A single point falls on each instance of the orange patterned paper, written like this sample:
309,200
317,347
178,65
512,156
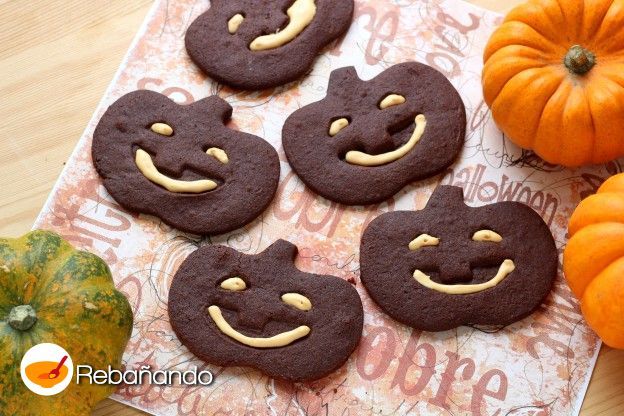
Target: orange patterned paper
539,366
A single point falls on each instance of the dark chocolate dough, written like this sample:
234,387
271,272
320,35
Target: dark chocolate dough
387,263
335,319
227,57
319,159
246,184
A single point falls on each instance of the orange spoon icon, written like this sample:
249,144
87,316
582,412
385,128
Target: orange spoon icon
56,372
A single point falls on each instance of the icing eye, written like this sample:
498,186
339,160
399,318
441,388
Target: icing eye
487,235
423,240
234,284
235,22
391,100
337,126
162,128
218,154
297,300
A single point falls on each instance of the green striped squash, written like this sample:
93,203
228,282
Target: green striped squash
52,292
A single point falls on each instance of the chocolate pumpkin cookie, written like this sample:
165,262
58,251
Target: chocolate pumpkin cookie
257,44
233,309
182,164
449,264
368,139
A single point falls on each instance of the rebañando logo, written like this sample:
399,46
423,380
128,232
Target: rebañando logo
47,369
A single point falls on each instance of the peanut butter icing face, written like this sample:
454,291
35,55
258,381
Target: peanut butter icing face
257,44
182,164
449,264
366,140
234,309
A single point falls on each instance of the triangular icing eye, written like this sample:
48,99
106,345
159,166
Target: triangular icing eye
391,100
218,154
337,125
423,240
163,129
235,22
487,235
297,300
234,284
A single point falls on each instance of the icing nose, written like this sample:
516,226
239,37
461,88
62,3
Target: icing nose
455,272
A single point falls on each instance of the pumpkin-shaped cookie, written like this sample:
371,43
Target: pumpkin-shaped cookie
182,163
234,309
593,260
450,264
366,140
257,44
553,79
52,293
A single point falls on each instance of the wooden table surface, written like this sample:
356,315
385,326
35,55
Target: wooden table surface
56,59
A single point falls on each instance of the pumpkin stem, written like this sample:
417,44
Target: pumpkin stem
22,317
579,60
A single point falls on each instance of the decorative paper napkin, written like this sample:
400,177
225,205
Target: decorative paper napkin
540,365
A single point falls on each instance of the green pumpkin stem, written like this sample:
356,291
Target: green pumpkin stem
579,60
22,317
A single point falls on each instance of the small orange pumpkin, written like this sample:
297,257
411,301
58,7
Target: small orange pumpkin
554,79
593,261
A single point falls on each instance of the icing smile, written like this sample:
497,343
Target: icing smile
506,267
301,14
364,159
145,164
279,340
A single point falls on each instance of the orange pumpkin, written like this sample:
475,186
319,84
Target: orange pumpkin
593,261
554,79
